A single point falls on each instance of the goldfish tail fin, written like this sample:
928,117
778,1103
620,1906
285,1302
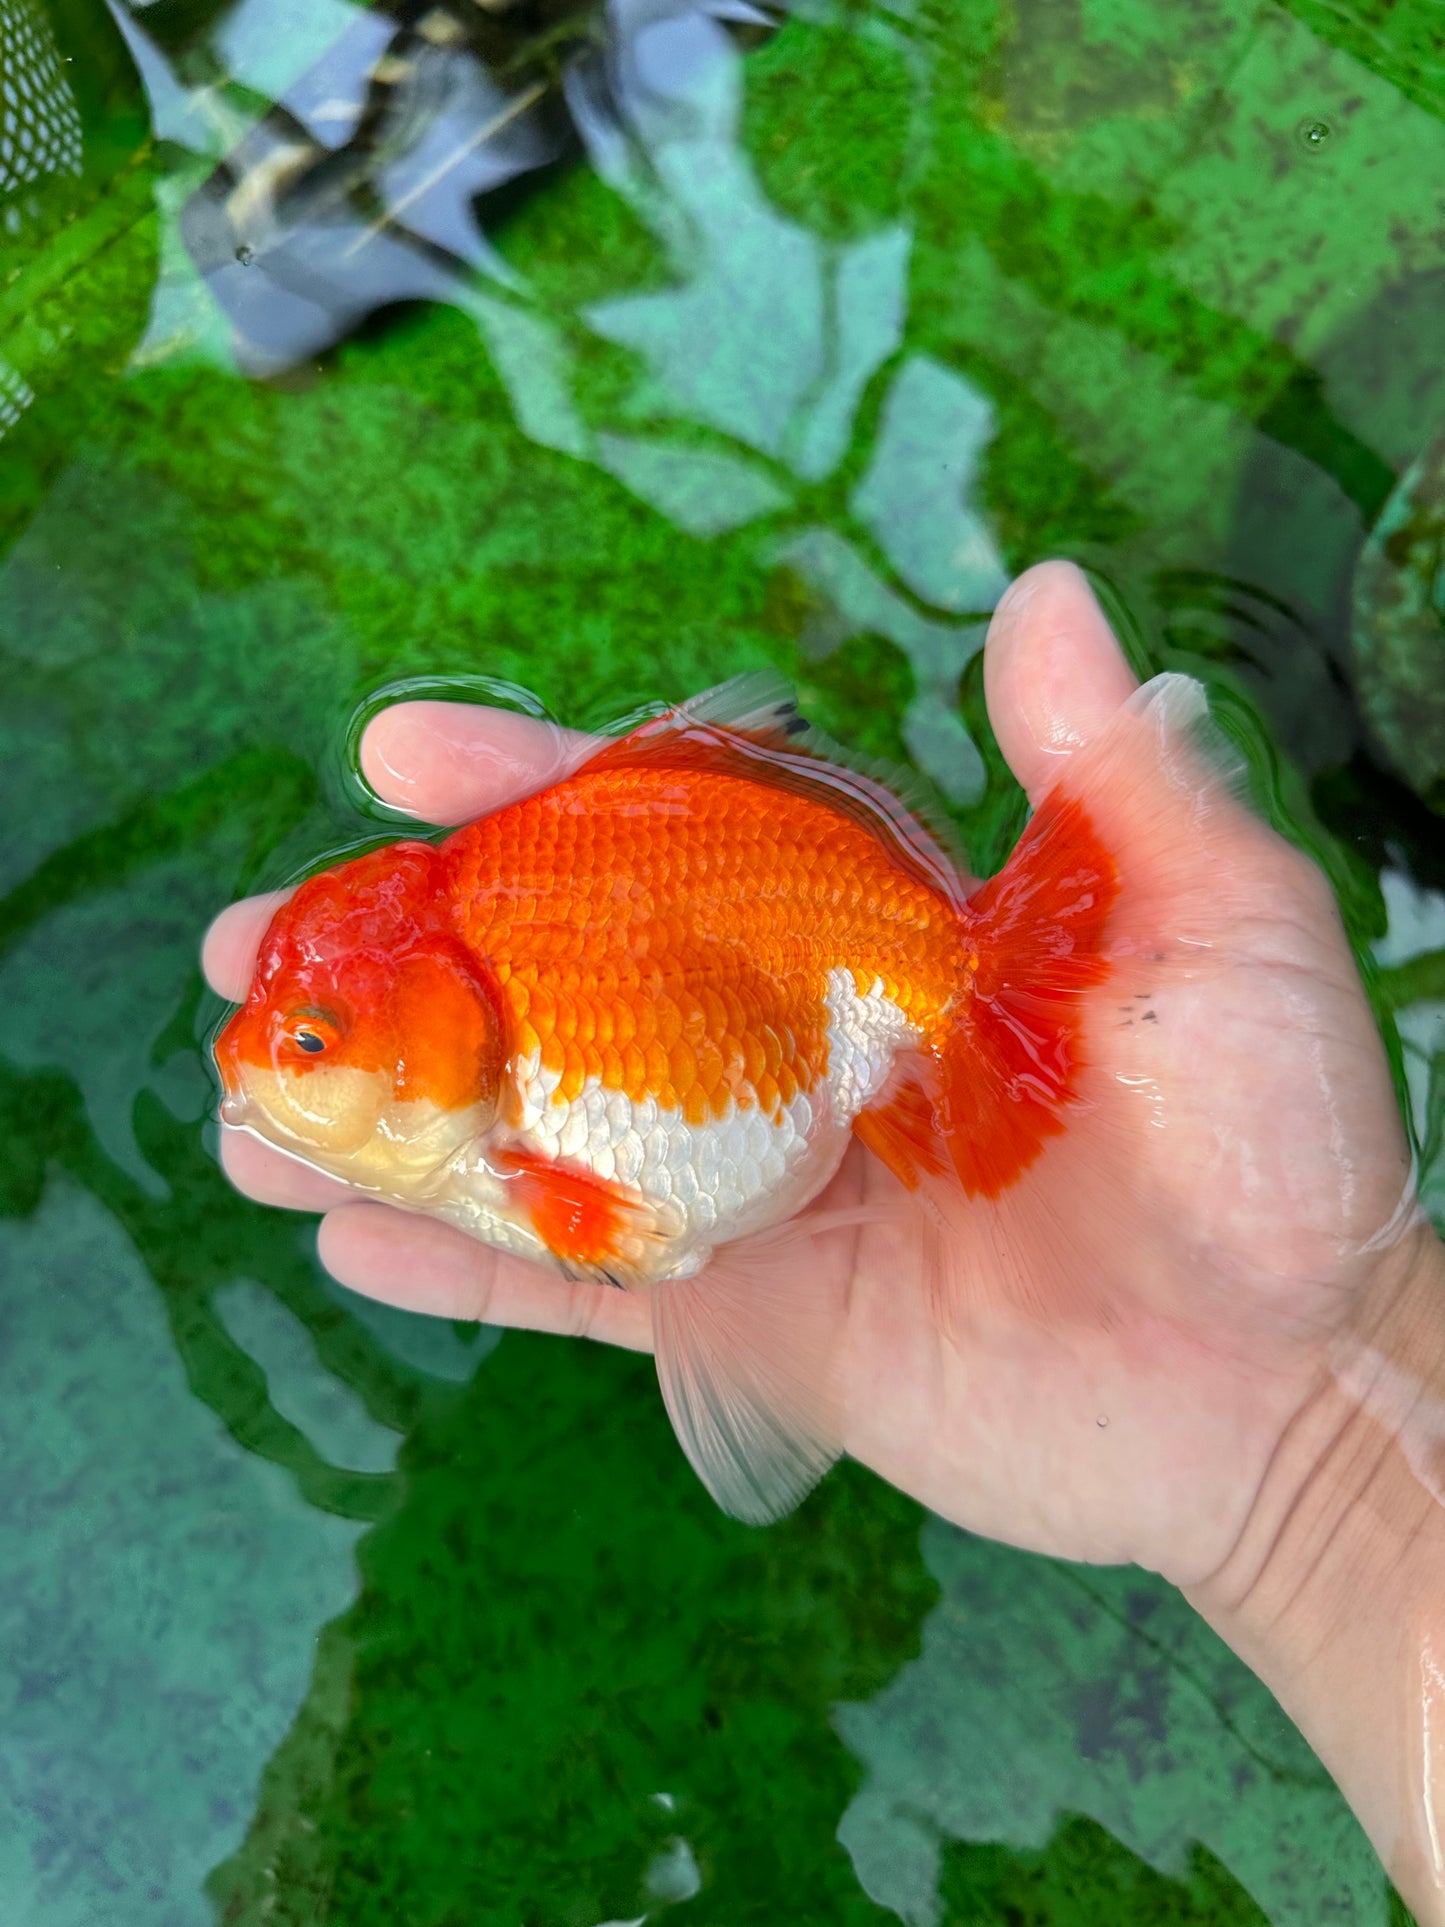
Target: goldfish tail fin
1028,1129
748,1355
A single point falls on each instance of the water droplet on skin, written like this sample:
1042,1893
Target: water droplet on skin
1313,133
245,255
1102,1420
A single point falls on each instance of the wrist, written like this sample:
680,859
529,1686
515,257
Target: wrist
1334,1592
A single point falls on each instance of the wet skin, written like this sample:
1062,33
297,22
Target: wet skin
1248,1451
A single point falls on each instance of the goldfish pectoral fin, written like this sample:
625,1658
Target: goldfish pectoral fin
592,1227
747,1356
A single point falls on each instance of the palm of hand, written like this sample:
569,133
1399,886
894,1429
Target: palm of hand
1219,1250
1142,1436
1244,1206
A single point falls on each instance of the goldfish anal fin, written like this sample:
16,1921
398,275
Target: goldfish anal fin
587,1223
750,728
902,1127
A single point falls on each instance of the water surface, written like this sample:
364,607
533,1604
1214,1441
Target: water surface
620,355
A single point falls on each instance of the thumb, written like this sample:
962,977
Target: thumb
1053,672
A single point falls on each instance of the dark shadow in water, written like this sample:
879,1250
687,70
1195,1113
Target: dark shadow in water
1401,44
1122,1707
1082,1878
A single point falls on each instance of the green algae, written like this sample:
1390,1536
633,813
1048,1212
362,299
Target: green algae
1122,1709
1055,277
613,1666
79,249
1085,1875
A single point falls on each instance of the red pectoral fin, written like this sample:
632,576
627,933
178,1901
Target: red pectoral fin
582,1219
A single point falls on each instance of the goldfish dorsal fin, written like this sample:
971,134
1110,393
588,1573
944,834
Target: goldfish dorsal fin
751,726
760,705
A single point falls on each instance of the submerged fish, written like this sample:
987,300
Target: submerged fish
640,1015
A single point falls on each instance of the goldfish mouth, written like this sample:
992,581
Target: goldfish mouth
227,1054
340,1118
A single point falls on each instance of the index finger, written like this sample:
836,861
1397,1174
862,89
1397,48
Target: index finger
422,1265
228,950
450,762
443,762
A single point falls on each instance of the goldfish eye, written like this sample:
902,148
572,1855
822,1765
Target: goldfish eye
312,1030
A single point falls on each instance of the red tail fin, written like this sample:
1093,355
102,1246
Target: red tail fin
1033,1125
1037,931
1035,935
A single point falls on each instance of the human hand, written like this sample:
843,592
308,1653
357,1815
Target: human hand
1257,1270
1143,1437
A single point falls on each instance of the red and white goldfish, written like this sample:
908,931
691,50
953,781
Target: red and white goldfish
640,1015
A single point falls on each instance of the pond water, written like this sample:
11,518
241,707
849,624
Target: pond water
607,357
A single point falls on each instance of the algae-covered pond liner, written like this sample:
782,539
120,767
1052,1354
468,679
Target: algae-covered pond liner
796,377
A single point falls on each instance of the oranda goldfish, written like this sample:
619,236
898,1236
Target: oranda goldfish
640,1015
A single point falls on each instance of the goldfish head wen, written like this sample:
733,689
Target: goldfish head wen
371,1041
